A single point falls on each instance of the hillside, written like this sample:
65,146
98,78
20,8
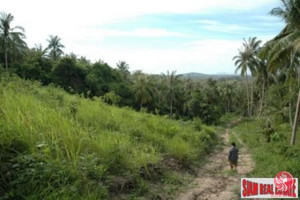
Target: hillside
59,146
195,75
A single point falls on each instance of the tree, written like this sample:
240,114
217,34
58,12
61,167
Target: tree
261,79
101,79
124,69
111,98
142,90
69,75
205,103
55,47
11,39
247,60
286,44
35,65
172,81
227,94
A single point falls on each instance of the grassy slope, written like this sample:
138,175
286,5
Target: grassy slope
273,157
59,146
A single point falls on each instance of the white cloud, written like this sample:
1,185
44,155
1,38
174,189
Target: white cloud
70,18
79,24
207,56
217,26
140,32
266,18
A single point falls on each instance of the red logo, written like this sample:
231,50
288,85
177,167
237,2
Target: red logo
284,181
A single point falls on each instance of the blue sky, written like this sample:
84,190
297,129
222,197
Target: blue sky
153,36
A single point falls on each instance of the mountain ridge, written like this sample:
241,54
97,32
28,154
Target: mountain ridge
202,75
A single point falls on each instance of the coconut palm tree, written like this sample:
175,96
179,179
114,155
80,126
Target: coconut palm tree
227,93
241,63
262,79
124,69
286,45
142,90
172,81
55,47
11,39
245,61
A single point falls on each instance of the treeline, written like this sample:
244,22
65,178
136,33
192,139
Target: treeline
275,70
269,88
165,94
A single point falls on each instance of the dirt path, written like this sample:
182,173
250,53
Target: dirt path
215,180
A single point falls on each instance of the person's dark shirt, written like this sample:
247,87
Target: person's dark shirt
233,154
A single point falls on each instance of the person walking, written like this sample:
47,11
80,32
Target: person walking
233,156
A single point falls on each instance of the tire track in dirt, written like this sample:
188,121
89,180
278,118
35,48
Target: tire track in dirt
215,180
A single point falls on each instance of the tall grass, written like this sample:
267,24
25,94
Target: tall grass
59,146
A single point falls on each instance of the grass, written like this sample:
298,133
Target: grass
59,146
232,138
230,173
273,157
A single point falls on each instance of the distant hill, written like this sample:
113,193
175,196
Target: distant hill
195,75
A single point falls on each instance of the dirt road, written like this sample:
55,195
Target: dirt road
215,180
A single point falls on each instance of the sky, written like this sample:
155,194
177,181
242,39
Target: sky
153,36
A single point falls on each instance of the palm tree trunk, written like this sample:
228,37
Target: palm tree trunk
266,90
262,98
228,105
171,107
295,121
298,76
295,126
290,69
251,100
6,62
290,107
248,99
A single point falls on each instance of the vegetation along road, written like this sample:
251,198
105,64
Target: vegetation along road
215,180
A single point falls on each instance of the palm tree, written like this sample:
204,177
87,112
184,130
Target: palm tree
226,90
285,46
124,68
55,47
172,81
38,48
241,61
11,39
142,90
248,60
262,79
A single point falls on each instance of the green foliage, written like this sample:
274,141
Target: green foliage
111,98
12,44
35,66
55,47
69,75
278,137
270,158
197,124
205,104
59,146
142,90
180,150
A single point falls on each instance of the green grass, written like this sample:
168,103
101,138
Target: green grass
230,173
59,146
270,158
232,138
